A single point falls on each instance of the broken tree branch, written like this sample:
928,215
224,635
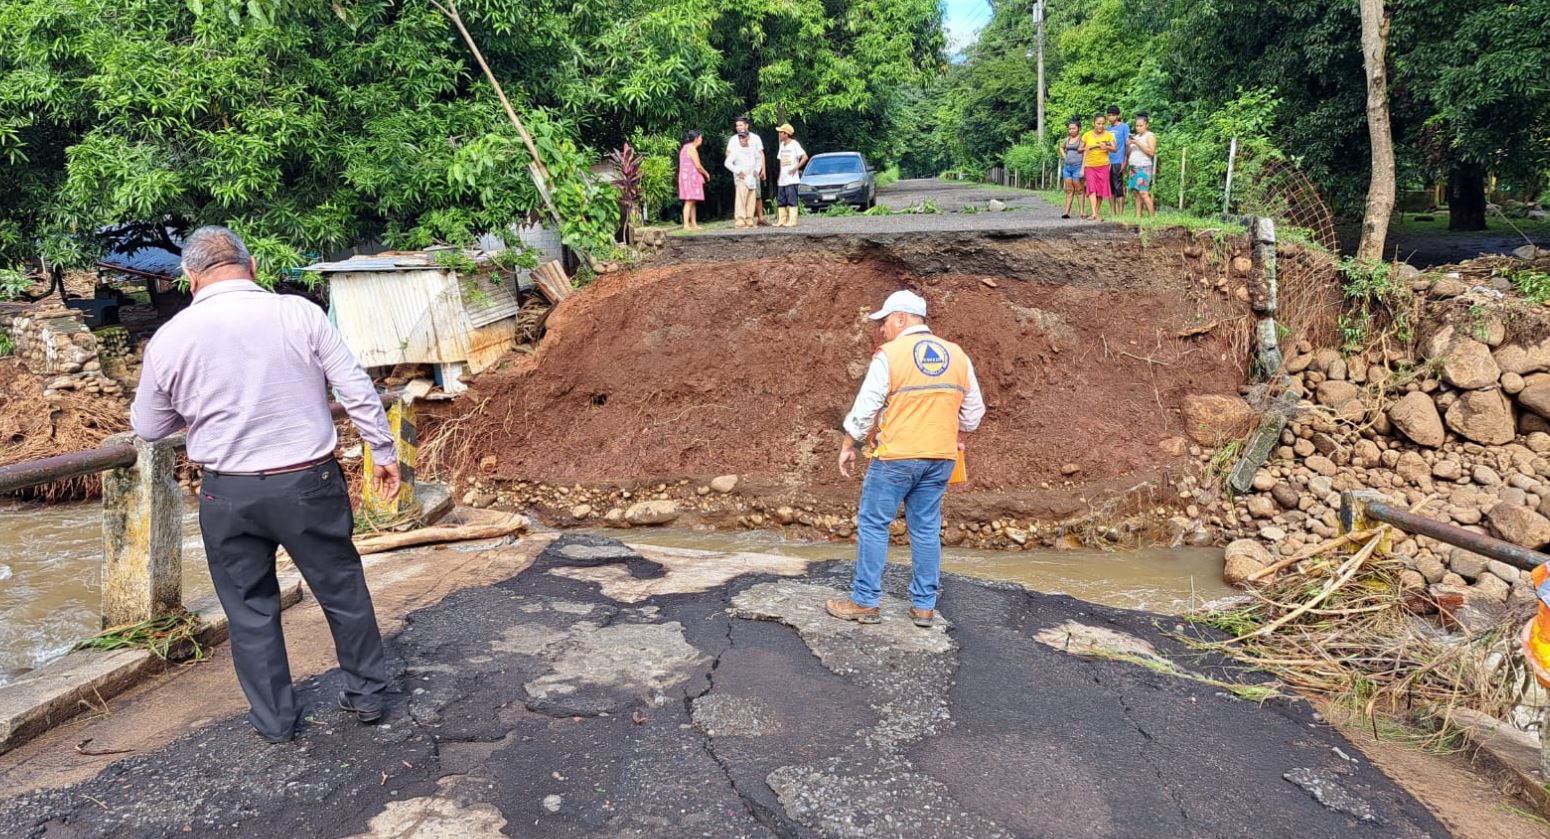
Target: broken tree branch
436,535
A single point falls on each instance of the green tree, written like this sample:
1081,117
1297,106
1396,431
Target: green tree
314,126
1474,79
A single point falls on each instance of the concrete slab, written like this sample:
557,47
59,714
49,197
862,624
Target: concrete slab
84,680
1510,755
58,691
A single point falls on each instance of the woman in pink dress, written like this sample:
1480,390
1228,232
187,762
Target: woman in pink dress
691,179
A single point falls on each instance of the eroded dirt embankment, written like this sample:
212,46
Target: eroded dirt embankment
696,369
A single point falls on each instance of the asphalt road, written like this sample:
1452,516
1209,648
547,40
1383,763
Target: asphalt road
603,693
1024,211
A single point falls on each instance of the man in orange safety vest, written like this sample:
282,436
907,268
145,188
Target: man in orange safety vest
925,390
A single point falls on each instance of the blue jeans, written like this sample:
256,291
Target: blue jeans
920,484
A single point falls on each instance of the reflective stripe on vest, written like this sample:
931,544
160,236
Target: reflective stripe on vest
928,378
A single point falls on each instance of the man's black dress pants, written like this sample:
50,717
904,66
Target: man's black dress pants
244,518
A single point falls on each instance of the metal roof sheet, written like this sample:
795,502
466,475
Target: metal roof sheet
378,262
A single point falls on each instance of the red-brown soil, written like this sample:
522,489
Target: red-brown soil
695,370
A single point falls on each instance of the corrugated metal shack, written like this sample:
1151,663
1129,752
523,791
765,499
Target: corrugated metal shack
403,307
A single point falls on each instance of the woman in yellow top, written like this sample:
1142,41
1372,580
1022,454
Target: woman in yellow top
1096,145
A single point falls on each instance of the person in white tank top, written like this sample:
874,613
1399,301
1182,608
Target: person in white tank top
1142,163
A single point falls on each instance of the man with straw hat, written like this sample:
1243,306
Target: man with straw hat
792,157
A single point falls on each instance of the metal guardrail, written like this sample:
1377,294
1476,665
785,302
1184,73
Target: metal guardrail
1366,506
30,473
62,467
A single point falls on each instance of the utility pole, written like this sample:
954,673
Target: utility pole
1038,25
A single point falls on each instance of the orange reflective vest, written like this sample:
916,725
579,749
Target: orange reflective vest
1536,633
928,378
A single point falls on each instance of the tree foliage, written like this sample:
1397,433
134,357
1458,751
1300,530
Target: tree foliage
310,127
1467,83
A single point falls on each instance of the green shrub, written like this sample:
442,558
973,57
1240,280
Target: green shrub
13,284
658,169
1533,284
1029,157
1377,304
1203,145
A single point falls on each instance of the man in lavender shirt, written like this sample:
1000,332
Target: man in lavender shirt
247,372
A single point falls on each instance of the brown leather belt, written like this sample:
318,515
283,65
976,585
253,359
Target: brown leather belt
283,470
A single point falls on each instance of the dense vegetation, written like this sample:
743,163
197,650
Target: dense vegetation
314,126
1469,83
311,126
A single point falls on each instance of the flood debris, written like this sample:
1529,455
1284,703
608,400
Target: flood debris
1340,623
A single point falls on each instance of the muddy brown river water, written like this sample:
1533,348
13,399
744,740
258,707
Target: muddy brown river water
50,573
51,579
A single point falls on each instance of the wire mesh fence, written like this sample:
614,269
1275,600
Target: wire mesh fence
1309,297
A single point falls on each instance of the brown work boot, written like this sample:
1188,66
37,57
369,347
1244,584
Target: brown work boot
922,617
850,610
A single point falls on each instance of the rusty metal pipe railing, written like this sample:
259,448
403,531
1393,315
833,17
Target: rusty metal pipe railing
1355,506
63,467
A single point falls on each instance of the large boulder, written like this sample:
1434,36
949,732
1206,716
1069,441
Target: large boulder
1536,399
1468,365
1244,557
1336,392
1519,525
651,512
1213,419
1482,416
1416,417
1436,344
1523,358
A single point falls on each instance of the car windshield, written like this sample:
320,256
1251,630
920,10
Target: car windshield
840,165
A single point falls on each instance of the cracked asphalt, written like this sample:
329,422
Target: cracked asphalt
716,707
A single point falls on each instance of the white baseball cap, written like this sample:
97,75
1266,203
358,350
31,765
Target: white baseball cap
907,302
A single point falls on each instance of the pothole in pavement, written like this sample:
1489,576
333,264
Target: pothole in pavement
435,818
614,568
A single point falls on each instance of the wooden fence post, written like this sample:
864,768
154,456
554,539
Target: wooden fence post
1183,157
142,535
1232,156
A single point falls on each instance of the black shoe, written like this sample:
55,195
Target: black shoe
366,716
283,738
1065,215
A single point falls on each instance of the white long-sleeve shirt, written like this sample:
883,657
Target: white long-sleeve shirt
874,394
247,373
744,161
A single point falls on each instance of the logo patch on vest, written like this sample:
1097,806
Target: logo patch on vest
931,357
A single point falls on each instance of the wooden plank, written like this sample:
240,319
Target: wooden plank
552,282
